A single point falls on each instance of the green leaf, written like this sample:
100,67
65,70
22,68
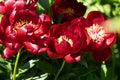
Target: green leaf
41,77
6,64
92,76
46,3
40,9
45,66
67,76
26,66
84,63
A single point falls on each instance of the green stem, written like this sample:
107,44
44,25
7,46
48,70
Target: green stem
63,63
49,9
15,66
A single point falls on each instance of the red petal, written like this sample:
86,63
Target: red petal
95,17
7,53
2,8
63,48
9,6
33,48
102,55
20,4
21,34
45,20
69,58
111,40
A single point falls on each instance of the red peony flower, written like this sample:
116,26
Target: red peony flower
66,40
101,40
8,6
69,9
24,28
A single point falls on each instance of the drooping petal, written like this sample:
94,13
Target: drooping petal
72,58
13,45
7,52
31,47
34,48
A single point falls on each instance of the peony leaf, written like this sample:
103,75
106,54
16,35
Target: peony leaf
40,9
45,66
27,66
46,3
41,77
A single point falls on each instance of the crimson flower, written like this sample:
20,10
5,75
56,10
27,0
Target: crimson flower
101,40
66,40
69,9
24,28
8,6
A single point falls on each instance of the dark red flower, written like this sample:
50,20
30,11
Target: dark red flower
8,6
69,9
24,28
101,40
66,40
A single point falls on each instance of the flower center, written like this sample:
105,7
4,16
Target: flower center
96,32
20,23
65,38
69,11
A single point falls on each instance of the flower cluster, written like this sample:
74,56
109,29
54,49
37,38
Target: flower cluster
22,27
73,36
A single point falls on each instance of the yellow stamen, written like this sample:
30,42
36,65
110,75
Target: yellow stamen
69,11
61,38
20,23
96,32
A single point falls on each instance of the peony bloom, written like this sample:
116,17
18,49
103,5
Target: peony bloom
66,40
8,6
101,40
24,28
69,9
